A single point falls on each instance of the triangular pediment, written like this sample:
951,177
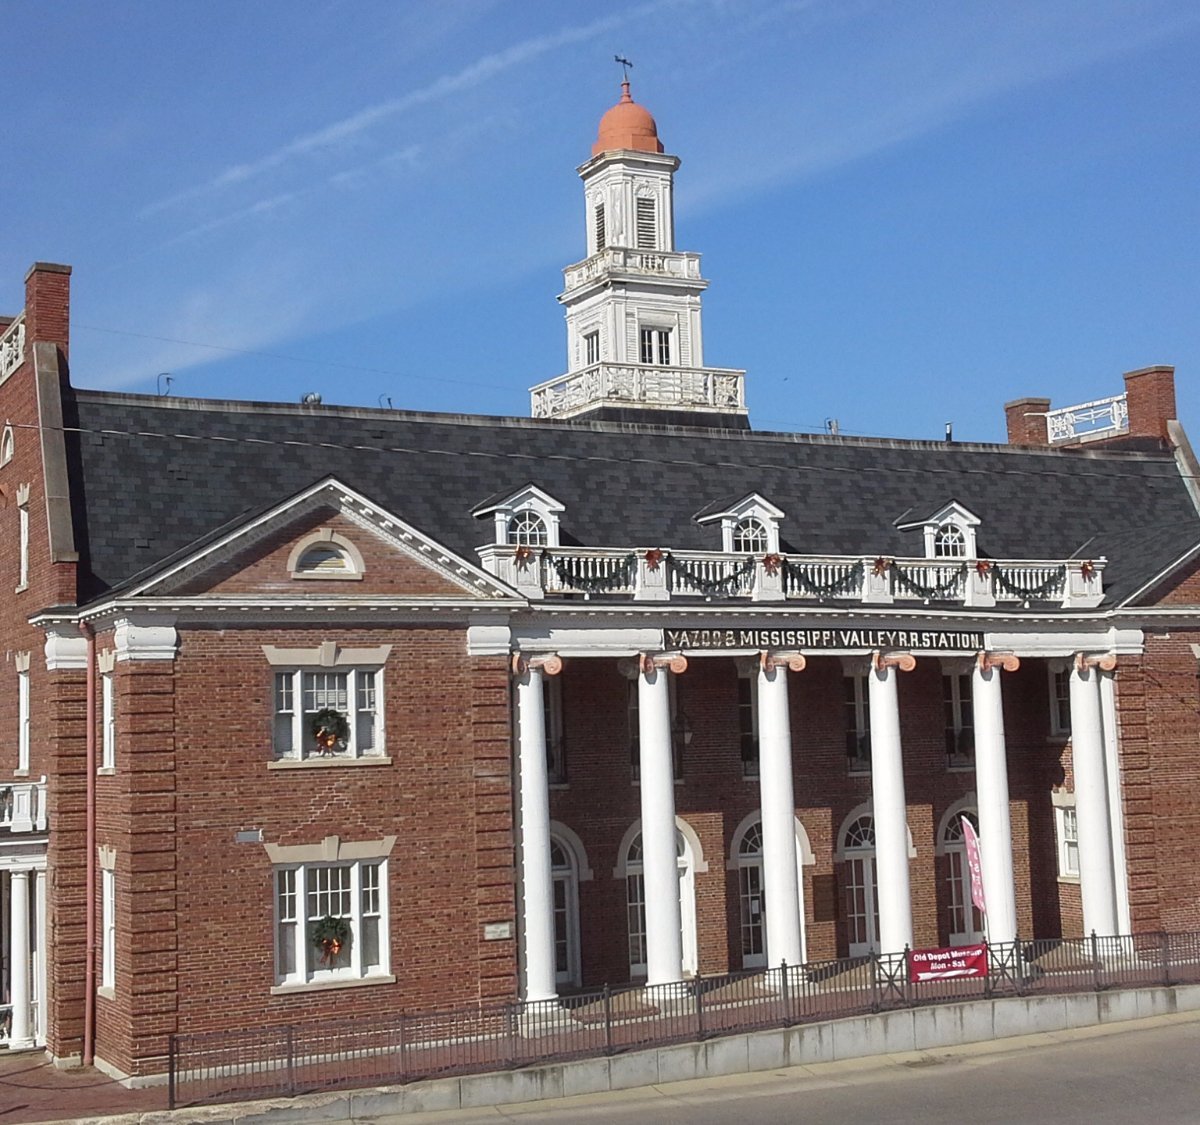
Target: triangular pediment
329,541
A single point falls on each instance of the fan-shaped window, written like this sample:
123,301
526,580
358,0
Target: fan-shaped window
861,834
949,542
7,445
750,537
325,554
326,559
527,529
751,842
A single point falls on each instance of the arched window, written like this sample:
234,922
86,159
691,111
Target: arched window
326,554
750,536
965,922
325,559
949,542
527,529
7,445
750,896
565,879
635,902
861,903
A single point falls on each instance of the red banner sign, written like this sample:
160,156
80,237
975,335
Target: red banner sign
946,964
974,865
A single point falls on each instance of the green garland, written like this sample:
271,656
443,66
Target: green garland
850,581
1035,593
328,930
941,590
621,576
724,584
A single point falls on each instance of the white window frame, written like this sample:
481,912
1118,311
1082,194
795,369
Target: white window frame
656,341
108,928
23,537
528,499
289,684
1066,837
952,515
949,541
748,738
7,445
527,528
1058,678
591,347
329,543
23,739
751,536
859,762
961,717
108,721
297,959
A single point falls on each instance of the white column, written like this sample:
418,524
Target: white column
660,867
991,784
537,886
19,967
778,805
1096,882
891,822
1112,762
39,965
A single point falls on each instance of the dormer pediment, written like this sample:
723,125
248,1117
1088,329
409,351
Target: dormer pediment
949,530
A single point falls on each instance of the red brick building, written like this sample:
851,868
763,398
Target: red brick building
324,710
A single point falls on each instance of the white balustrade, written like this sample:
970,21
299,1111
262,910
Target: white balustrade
1101,417
618,259
23,806
12,347
640,384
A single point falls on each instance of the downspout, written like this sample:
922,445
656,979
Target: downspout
89,972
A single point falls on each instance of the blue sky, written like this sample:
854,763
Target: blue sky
910,212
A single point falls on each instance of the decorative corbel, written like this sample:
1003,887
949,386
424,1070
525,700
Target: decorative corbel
1105,663
1007,661
550,663
904,661
792,661
648,662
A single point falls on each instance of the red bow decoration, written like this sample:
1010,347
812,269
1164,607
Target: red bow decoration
1088,569
982,567
881,566
654,558
523,554
772,563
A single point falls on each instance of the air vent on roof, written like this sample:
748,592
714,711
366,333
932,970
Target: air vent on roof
310,399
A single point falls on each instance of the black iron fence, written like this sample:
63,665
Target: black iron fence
324,1055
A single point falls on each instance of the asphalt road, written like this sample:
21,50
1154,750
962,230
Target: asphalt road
1148,1072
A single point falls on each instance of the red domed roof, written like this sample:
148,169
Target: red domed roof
627,125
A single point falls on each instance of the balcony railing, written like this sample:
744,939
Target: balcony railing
23,806
652,574
641,384
12,347
618,259
1102,417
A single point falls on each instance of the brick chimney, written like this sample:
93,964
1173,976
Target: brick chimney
47,305
1026,419
1150,397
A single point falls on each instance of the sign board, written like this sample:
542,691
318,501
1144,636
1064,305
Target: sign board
497,931
948,964
974,865
935,640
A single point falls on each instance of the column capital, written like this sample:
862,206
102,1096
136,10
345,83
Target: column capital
648,662
904,661
1006,661
792,661
549,663
1106,662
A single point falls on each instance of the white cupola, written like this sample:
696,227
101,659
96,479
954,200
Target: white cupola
634,336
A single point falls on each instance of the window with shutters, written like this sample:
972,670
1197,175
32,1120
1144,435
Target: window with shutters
600,232
646,239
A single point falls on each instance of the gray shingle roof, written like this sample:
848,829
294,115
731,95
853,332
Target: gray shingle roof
140,499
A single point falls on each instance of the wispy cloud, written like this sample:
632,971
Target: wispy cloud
340,132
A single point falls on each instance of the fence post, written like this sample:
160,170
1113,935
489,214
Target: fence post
608,1043
874,963
987,971
1096,961
291,1059
785,994
908,988
171,1060
698,986
403,1052
1164,944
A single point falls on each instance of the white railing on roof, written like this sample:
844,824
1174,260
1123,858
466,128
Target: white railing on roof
12,347
641,384
654,574
619,259
23,806
1100,418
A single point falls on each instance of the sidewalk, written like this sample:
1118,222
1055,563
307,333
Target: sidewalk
31,1089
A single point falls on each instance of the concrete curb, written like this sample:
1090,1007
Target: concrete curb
858,1037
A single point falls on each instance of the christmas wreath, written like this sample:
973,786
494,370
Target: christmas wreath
330,934
329,728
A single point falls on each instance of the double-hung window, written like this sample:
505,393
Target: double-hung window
108,929
305,696
331,921
655,346
748,723
960,719
1060,701
23,719
1066,831
858,722
108,722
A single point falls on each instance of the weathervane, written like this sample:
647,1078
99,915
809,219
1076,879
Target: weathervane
625,64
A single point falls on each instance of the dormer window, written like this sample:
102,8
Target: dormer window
526,518
749,526
750,537
949,542
949,532
527,529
